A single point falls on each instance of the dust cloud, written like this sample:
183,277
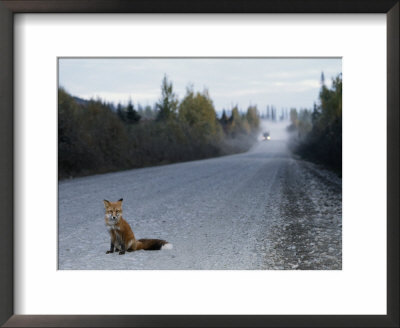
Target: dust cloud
277,130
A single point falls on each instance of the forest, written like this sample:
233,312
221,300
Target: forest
317,133
97,137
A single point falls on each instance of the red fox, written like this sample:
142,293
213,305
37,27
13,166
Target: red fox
122,237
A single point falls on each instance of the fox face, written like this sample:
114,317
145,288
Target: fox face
113,211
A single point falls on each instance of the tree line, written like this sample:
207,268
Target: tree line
272,114
98,137
318,132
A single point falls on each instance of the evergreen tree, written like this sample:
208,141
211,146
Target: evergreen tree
321,130
168,103
132,115
224,117
322,79
224,120
273,113
315,114
120,112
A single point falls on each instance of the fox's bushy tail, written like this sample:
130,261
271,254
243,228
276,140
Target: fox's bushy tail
153,244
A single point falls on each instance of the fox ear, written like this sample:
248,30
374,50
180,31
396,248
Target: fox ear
121,200
106,203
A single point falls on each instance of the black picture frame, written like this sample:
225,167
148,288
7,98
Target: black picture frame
10,7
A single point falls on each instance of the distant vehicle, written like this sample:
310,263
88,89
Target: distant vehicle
266,136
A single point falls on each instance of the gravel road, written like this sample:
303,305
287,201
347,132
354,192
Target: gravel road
258,210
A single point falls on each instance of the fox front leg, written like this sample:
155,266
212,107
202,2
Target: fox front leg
111,249
122,250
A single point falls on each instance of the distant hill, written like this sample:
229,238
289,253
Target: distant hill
80,101
84,102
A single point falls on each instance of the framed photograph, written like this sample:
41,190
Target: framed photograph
189,157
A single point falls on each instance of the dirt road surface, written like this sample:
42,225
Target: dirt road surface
260,210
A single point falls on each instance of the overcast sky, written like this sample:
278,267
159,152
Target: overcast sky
284,83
